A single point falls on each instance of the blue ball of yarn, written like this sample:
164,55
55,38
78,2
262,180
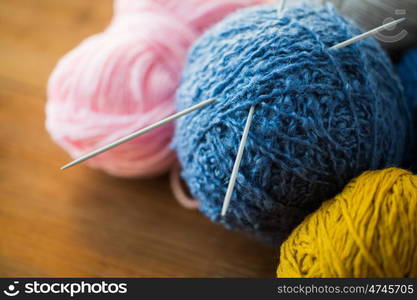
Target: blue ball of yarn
322,116
407,69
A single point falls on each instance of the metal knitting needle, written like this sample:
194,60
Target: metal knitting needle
236,165
366,34
138,133
281,6
235,170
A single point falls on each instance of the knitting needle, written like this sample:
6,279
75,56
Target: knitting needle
138,133
236,165
235,170
281,6
366,34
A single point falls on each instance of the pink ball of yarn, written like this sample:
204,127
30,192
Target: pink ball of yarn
124,79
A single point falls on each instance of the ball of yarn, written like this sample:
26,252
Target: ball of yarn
369,230
124,79
369,14
407,69
322,116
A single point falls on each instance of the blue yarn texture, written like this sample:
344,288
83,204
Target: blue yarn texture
407,69
322,116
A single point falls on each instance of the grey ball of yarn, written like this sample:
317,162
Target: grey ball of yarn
369,14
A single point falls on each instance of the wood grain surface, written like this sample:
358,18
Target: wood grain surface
82,222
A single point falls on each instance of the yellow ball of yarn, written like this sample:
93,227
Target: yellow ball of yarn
369,230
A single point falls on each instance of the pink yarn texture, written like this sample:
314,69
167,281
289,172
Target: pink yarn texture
124,79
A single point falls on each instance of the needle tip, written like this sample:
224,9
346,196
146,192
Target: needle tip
67,166
395,22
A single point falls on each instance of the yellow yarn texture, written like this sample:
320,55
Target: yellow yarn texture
369,230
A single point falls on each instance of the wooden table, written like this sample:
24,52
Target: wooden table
82,222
